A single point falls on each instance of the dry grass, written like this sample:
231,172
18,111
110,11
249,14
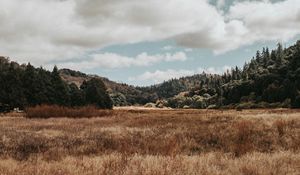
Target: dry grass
118,164
154,142
54,111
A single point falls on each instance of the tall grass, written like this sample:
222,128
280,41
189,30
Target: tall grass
151,142
54,111
280,163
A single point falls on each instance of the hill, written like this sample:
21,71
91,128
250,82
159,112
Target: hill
271,79
121,93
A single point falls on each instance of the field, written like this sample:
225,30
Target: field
131,141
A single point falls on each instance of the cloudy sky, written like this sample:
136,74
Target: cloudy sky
142,42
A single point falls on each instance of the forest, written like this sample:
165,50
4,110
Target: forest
25,86
270,79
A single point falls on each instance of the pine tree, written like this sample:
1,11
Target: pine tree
279,54
96,94
30,86
77,97
60,89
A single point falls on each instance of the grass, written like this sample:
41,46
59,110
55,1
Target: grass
54,111
153,142
210,163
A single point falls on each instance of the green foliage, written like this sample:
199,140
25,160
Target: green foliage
23,86
118,99
269,80
95,93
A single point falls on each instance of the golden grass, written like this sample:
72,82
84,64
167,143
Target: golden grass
118,164
54,111
153,142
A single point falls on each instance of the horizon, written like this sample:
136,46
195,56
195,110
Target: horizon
141,43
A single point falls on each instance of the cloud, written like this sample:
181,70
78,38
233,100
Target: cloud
57,30
159,76
188,50
112,61
220,3
168,48
245,23
266,20
214,70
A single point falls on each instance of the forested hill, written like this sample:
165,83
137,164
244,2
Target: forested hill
124,94
121,94
24,85
173,87
270,79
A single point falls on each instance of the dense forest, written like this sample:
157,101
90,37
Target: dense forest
270,79
24,85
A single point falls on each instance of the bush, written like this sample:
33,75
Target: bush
149,105
54,111
247,105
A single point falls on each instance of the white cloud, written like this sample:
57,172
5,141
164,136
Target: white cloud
159,76
112,60
168,48
57,30
188,50
248,22
266,20
214,70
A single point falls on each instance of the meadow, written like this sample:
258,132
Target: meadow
138,141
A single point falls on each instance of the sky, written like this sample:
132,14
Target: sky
144,42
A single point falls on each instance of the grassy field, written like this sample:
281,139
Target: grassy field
153,142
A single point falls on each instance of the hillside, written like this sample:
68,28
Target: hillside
121,93
271,79
124,94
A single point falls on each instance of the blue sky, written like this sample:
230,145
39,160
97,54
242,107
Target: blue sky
144,42
196,59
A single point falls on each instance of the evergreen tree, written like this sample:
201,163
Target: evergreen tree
96,94
279,54
77,97
31,90
60,89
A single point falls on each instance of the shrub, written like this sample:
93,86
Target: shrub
54,111
247,105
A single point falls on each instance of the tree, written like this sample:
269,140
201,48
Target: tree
13,88
77,97
29,80
96,94
279,54
266,57
60,89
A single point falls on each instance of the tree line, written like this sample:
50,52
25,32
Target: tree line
270,79
22,86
